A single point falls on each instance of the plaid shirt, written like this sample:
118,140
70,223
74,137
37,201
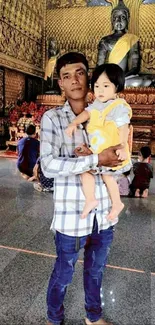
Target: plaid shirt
59,162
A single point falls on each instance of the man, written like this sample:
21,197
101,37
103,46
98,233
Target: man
58,161
122,48
28,152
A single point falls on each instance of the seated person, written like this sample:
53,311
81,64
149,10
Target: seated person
28,152
143,172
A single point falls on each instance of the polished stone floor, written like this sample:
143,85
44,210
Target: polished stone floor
27,254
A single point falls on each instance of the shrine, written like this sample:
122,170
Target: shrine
27,60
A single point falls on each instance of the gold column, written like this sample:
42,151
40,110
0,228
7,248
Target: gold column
134,7
44,36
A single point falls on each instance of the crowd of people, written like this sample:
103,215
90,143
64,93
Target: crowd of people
89,166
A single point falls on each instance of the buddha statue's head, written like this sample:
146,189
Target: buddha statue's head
120,17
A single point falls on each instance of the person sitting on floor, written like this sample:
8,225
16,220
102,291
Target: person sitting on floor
143,172
28,153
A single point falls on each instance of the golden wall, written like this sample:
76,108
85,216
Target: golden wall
147,37
73,24
81,28
14,85
22,26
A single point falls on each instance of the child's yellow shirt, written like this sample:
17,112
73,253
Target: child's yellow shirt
104,123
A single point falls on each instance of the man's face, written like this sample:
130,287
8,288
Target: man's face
73,81
119,20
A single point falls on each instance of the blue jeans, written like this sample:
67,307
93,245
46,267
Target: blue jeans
96,249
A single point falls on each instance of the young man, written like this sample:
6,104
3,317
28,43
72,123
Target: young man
58,161
28,152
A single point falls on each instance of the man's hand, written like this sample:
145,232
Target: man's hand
82,150
109,158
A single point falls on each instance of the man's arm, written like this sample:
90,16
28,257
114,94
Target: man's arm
52,163
107,158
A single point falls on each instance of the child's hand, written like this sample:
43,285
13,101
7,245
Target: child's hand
122,154
72,128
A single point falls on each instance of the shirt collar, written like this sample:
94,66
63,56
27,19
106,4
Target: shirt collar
67,107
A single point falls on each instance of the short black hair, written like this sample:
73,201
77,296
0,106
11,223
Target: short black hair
113,71
145,152
31,129
70,58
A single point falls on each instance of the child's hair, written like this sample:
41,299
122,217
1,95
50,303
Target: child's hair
31,129
113,71
70,58
145,152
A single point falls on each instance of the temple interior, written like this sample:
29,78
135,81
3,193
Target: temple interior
34,34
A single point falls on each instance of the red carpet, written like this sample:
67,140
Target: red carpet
8,154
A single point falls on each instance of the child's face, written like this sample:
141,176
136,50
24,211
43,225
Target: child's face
104,89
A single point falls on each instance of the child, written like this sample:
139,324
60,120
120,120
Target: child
143,172
108,118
